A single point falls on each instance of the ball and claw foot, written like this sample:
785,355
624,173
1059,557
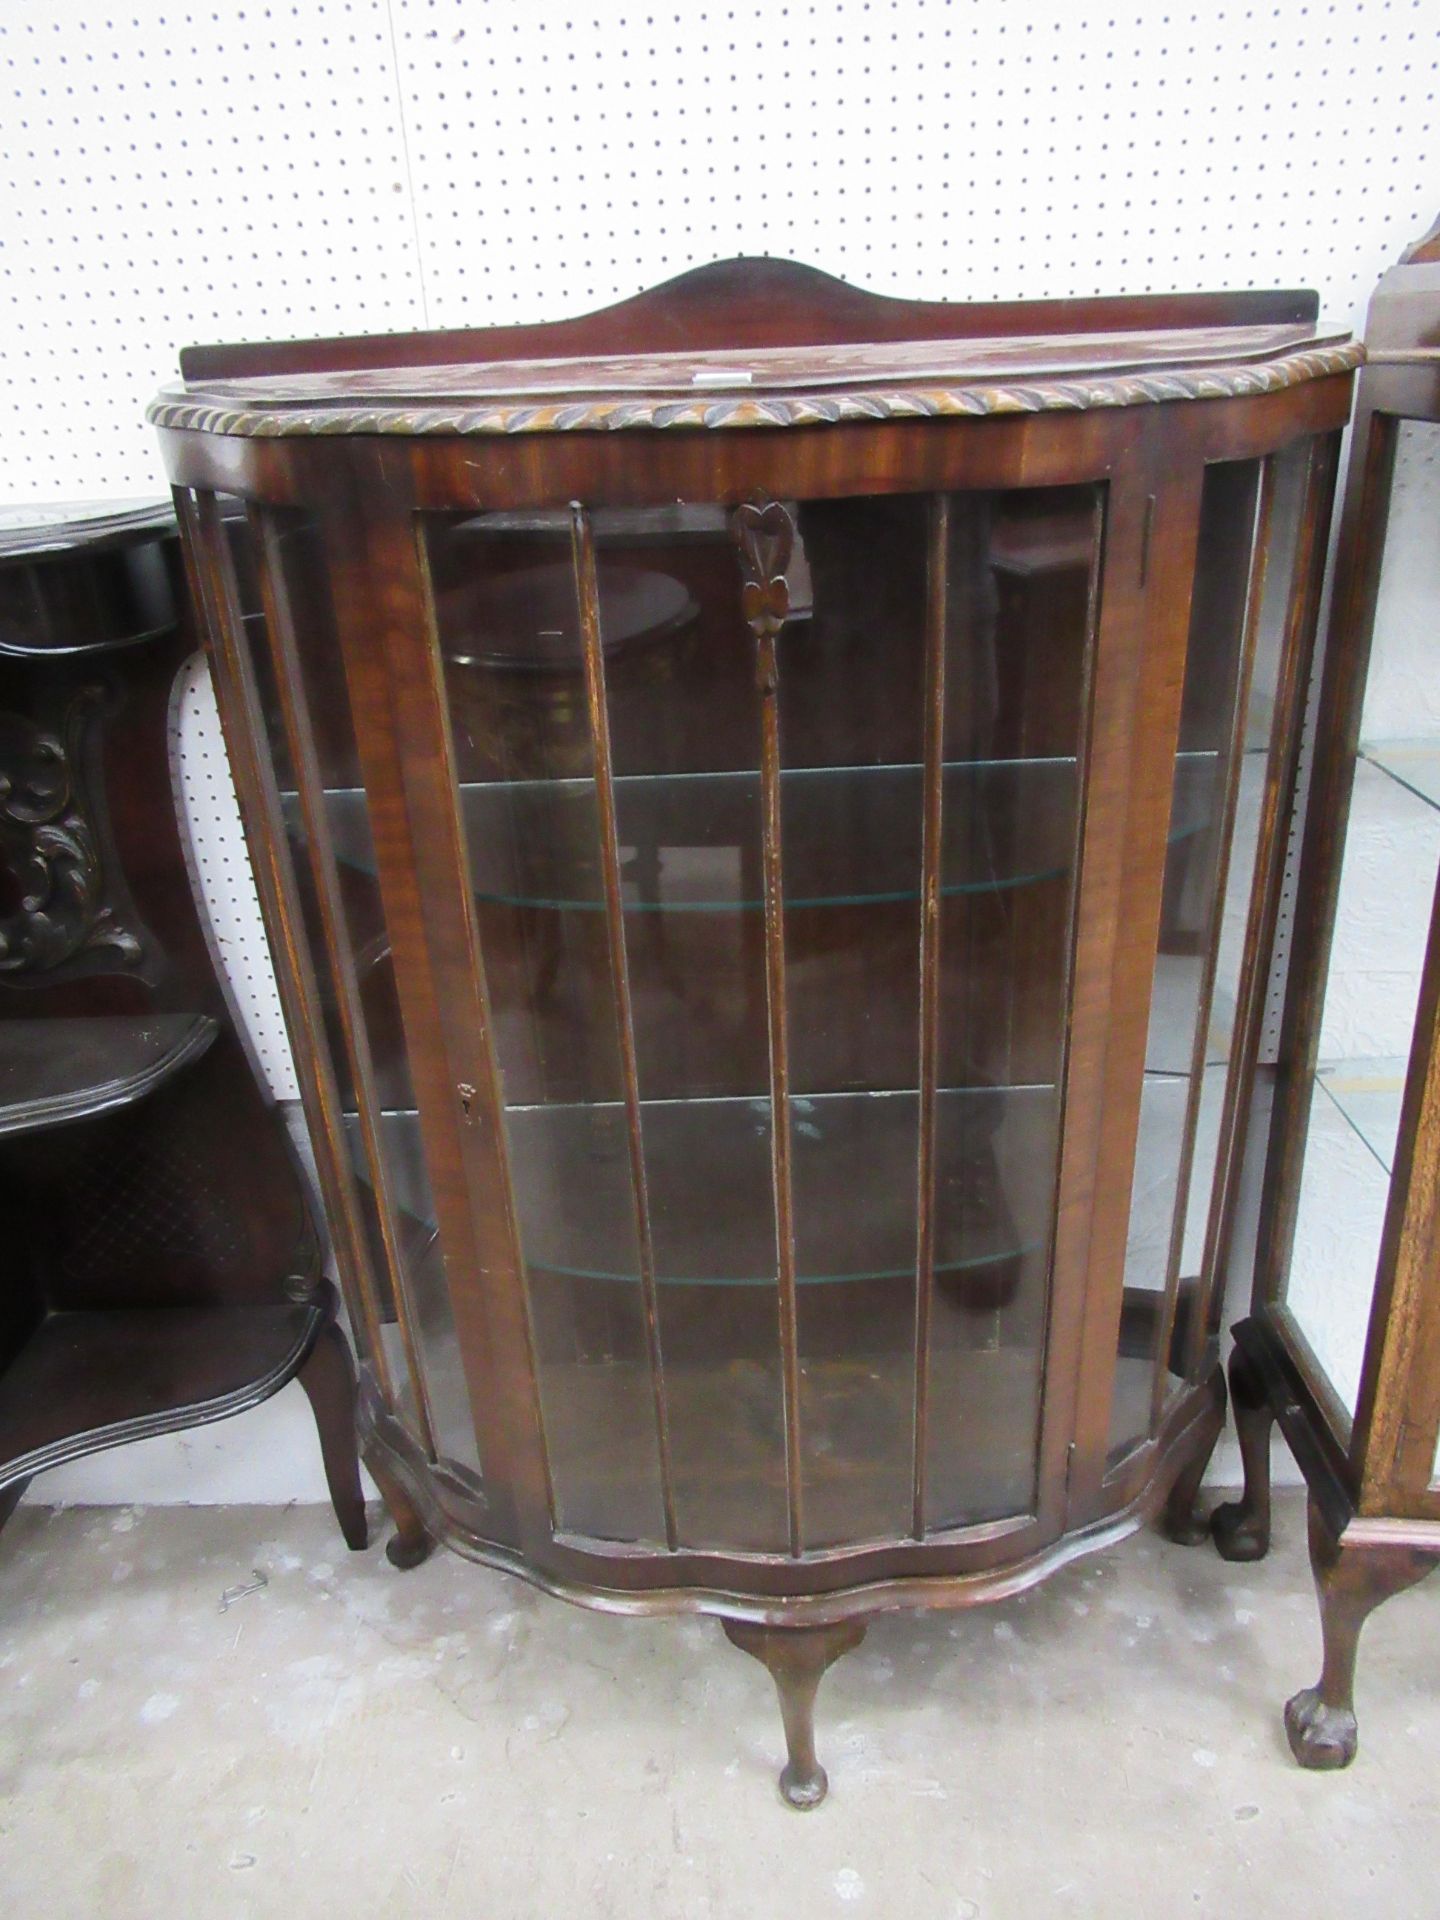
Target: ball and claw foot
1350,1582
1321,1738
1240,1534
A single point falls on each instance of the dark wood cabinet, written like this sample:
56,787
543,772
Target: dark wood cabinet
767,801
1342,1345
162,1267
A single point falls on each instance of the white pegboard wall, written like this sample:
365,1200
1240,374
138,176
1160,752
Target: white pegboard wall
176,174
221,872
245,171
980,151
251,171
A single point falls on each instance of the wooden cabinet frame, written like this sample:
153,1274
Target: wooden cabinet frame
1374,1504
856,398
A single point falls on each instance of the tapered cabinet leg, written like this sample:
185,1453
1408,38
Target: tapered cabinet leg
411,1541
1182,1520
1241,1528
797,1658
1351,1582
328,1377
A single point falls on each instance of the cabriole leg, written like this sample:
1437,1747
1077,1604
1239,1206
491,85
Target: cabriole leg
1182,1521
328,1378
1351,1582
411,1542
797,1658
1241,1528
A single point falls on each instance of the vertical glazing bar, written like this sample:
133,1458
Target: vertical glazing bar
388,634
296,720
1254,597
1127,778
1392,1440
779,1074
765,535
587,594
212,579
937,587
1281,793
1281,771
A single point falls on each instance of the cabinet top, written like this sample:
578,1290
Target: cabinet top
762,343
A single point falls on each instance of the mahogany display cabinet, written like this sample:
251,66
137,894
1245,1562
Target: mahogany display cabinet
162,1265
1343,1342
767,799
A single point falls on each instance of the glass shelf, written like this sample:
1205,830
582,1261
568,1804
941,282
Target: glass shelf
1414,764
1391,854
1392,849
1367,1095
1387,814
854,1171
690,843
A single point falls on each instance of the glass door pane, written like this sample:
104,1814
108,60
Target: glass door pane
1231,730
508,622
1387,887
300,689
701,921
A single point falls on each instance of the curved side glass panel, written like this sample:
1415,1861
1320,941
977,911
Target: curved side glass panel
1387,888
300,684
1231,730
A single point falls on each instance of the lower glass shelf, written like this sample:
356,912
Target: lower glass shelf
1414,764
1367,1095
708,1174
1372,995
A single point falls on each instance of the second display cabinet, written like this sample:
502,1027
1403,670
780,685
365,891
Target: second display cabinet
767,800
1342,1344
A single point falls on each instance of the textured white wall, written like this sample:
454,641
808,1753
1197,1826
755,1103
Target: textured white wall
261,170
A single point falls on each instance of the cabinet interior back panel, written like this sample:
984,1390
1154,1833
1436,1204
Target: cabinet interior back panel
253,171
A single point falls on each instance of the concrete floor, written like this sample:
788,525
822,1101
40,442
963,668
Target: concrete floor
346,1739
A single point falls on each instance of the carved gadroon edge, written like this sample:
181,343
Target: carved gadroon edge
52,849
178,410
